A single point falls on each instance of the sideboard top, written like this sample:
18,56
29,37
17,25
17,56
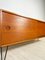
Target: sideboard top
2,10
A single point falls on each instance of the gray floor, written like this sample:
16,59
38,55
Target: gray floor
27,51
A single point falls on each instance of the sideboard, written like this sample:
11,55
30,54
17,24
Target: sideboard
16,29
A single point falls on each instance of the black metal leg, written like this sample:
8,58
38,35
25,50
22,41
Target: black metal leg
1,53
6,53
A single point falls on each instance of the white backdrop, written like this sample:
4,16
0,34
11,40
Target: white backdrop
29,8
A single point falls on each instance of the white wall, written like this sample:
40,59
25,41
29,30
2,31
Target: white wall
44,8
29,8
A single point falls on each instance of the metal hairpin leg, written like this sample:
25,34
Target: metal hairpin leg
1,53
5,53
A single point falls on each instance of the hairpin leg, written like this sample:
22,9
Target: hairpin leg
1,53
6,53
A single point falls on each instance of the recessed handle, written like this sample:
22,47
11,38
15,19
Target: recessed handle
8,27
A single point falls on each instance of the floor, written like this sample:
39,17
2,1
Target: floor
27,51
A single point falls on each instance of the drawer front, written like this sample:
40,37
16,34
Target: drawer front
16,29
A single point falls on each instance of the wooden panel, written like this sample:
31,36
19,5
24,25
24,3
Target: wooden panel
17,29
41,29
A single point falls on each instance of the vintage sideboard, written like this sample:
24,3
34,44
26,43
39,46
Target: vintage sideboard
16,29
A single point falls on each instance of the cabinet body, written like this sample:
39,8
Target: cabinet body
16,29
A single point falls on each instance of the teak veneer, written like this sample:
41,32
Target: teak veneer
16,29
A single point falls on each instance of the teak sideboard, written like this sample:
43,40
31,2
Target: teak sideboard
16,29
